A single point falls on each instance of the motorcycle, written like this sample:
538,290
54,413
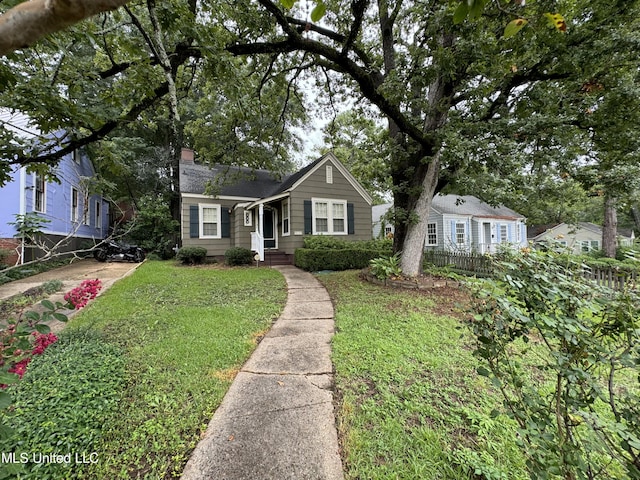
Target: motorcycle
111,251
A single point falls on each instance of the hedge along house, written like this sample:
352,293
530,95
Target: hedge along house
74,217
463,223
224,207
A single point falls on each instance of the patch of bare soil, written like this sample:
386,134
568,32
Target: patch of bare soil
450,297
452,301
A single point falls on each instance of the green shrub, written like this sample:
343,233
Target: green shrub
386,267
4,253
61,404
31,269
191,255
52,286
343,259
625,254
153,229
238,256
560,349
322,242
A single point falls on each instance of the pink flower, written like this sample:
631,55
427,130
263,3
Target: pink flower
42,341
80,296
19,368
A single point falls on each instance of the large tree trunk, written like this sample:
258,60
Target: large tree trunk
413,248
610,228
635,213
29,21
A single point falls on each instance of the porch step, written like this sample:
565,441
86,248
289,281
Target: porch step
272,258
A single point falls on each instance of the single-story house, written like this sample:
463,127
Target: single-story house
581,238
463,223
225,206
73,215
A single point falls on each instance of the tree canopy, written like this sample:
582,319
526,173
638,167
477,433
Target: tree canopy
464,91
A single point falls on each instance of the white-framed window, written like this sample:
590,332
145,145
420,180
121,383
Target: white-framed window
39,193
461,237
329,216
432,233
329,173
210,221
286,228
98,214
504,235
518,227
75,205
589,245
388,231
248,218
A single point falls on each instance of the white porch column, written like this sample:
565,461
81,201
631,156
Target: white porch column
261,219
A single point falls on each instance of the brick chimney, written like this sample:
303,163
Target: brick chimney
187,156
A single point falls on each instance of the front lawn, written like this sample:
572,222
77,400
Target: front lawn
182,333
411,405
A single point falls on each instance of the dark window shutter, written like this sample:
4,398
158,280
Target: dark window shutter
194,222
351,220
308,218
225,223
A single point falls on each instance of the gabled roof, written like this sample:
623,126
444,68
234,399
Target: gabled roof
591,227
259,185
234,181
469,205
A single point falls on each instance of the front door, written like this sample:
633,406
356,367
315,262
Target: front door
269,225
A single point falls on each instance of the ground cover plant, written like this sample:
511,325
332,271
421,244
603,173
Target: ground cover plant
17,273
17,303
182,333
61,404
410,403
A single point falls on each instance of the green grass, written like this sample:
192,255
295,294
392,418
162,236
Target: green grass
185,332
410,403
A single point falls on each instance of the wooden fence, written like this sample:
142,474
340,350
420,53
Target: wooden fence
461,261
481,265
612,277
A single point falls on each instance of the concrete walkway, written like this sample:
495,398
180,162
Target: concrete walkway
277,422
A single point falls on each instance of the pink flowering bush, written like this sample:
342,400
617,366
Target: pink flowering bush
41,342
80,296
28,335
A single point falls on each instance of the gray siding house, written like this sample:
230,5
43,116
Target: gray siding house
224,206
581,238
463,223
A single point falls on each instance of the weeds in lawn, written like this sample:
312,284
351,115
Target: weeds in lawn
411,405
185,332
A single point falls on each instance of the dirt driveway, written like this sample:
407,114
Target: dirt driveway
71,276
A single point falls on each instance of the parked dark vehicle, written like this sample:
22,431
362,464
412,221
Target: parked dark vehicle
111,251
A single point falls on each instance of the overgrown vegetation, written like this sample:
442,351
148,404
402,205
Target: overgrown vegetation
153,229
328,253
565,354
31,269
4,254
16,303
410,403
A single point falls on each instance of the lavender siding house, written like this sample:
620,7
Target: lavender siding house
68,206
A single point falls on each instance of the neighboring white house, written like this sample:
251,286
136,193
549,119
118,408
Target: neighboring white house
581,238
463,223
